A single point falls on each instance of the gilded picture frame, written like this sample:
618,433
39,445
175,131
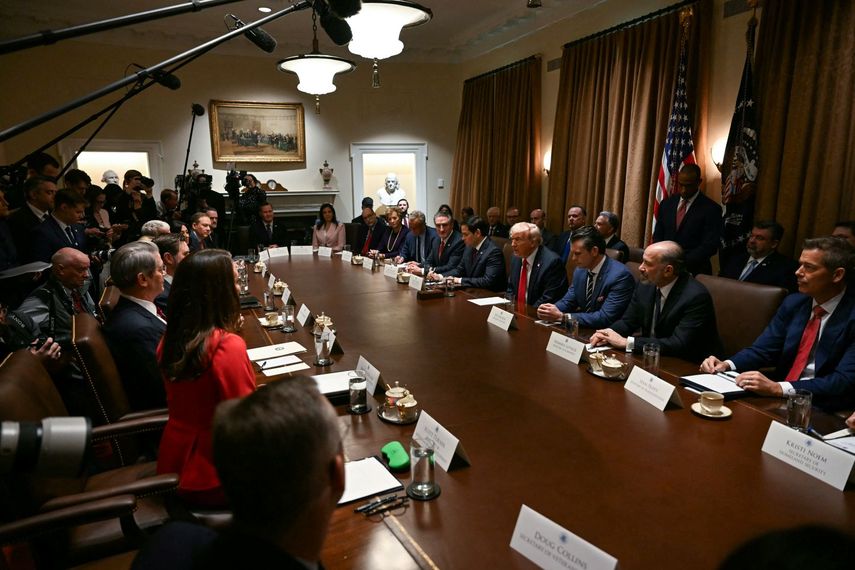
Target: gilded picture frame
244,131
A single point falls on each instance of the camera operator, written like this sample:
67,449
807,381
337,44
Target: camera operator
251,198
18,331
136,206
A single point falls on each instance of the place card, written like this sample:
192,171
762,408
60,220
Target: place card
285,369
264,271
324,251
270,281
302,250
304,315
812,456
335,346
502,319
371,373
264,254
417,282
390,270
652,389
276,251
552,546
565,347
347,256
445,446
368,264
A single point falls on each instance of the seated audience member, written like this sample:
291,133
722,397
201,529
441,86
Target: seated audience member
136,324
77,181
811,339
465,213
419,241
447,249
279,456
39,165
577,217
167,207
538,218
404,208
63,227
200,229
266,231
537,274
512,216
669,307
607,223
394,235
483,264
370,232
181,229
845,230
153,229
213,239
328,232
367,202
8,252
761,262
496,227
601,289
40,193
203,361
173,248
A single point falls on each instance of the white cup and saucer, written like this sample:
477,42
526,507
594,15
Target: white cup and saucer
711,405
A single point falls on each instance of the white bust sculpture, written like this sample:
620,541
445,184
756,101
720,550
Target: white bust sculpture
110,177
391,191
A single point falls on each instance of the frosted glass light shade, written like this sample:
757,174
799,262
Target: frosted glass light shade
377,27
315,71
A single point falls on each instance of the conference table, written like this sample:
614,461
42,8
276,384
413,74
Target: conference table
654,489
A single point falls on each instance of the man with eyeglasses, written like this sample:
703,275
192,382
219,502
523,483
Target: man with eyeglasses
482,265
446,249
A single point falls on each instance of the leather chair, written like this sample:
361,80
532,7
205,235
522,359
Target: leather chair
27,394
570,267
508,252
351,232
614,254
636,253
109,297
633,268
742,310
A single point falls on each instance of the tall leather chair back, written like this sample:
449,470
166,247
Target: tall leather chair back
109,297
633,268
508,252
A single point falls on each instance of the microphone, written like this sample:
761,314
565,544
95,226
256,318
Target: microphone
256,35
345,8
198,109
337,29
163,77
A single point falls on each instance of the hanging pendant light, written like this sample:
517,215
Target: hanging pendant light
315,70
377,29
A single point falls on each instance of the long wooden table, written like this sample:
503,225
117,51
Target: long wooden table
654,489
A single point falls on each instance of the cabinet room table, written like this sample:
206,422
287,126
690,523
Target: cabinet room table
654,489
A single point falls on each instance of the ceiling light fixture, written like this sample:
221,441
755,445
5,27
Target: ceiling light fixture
315,70
265,9
377,28
534,4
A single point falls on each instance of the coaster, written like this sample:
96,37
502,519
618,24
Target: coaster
434,495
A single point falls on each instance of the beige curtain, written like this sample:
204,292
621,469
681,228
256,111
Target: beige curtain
497,161
805,95
614,101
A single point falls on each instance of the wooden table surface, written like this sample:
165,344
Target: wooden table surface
654,489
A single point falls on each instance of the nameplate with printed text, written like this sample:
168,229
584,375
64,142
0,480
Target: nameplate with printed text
276,251
417,282
270,281
652,389
445,446
303,315
565,347
367,264
502,319
302,250
324,251
390,270
812,456
371,373
347,256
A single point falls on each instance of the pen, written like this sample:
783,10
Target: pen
387,507
374,504
727,375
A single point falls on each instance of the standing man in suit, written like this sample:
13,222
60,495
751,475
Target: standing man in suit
607,224
482,265
601,288
692,220
200,229
537,274
669,307
265,230
811,339
61,229
136,324
512,216
419,241
496,227
577,217
173,249
214,237
40,193
761,262
538,218
446,250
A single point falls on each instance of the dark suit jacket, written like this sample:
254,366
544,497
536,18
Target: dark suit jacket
560,243
778,270
612,294
549,239
376,236
616,243
163,298
259,234
686,325
132,334
699,233
499,230
410,249
391,246
548,279
21,224
451,254
483,268
47,238
194,241
8,251
834,355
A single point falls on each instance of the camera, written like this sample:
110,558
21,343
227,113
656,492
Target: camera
147,182
234,179
52,447
39,342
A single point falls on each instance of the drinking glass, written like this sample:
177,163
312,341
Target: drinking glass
358,385
423,487
650,361
798,410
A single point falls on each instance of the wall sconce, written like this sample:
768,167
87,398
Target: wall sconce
547,161
717,152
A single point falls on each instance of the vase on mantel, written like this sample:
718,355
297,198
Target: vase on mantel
326,174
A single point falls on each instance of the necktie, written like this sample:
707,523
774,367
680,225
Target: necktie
681,212
589,292
747,271
160,312
523,285
419,248
809,337
77,302
70,233
367,245
566,253
657,308
441,248
269,232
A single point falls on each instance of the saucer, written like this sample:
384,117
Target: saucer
268,325
725,412
602,375
390,415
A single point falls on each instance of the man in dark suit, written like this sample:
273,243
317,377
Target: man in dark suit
40,193
811,339
692,220
601,288
496,227
61,229
538,218
669,307
213,239
537,274
136,324
200,229
577,217
446,250
370,232
482,265
846,230
172,249
266,231
367,202
419,241
607,224
761,262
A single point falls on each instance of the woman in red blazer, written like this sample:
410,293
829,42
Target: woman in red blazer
203,362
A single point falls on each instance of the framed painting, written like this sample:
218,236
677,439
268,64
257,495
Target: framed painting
243,131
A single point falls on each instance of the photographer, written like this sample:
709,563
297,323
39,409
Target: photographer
251,198
136,205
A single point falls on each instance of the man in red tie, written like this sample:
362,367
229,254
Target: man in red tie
537,275
811,339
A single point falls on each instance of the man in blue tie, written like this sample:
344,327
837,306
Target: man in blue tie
419,241
576,218
61,229
761,262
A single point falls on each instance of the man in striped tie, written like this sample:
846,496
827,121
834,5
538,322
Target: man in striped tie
811,339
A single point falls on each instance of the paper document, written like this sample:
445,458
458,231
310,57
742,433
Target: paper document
489,301
23,269
285,369
712,382
275,350
334,382
277,362
845,443
845,432
365,478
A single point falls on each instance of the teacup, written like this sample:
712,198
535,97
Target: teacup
408,407
272,318
403,277
612,367
595,359
259,267
279,287
395,394
711,403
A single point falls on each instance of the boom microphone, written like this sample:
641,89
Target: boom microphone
344,8
256,35
198,109
337,29
166,79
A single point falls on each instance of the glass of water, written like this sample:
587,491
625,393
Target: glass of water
358,385
423,487
798,410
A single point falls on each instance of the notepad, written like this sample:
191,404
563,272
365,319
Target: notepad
366,478
714,383
333,383
489,301
275,350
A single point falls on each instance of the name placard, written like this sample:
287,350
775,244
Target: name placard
552,546
371,373
276,251
286,295
499,318
652,389
347,256
264,254
303,315
445,446
417,282
270,281
565,347
324,251
367,264
264,271
302,250
812,456
390,271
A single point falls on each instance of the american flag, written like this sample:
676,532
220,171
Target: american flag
679,149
